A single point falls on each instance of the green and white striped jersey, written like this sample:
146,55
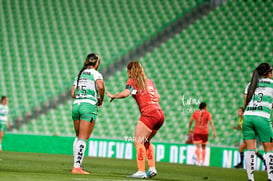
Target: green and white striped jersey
262,99
87,87
4,111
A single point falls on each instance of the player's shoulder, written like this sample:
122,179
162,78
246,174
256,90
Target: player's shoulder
247,84
92,71
195,112
95,72
207,112
149,81
130,81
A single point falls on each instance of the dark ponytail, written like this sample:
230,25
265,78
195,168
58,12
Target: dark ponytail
262,70
252,87
79,75
91,60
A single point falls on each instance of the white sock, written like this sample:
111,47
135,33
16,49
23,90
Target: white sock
269,165
74,146
79,154
250,164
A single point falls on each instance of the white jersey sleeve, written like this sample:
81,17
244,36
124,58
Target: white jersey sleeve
97,76
246,89
75,81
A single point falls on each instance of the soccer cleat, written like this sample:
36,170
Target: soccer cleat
151,172
239,165
138,174
78,170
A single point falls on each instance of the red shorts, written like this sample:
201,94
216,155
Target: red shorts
153,120
200,138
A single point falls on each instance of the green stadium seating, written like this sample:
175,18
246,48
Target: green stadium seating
45,42
211,60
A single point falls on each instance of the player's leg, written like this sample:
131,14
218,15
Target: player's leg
142,133
241,150
76,121
77,128
268,148
150,154
198,153
1,138
86,129
259,155
197,140
86,125
204,139
150,150
155,122
249,132
250,158
203,153
265,134
3,129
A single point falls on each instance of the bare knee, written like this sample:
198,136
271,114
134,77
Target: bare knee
242,147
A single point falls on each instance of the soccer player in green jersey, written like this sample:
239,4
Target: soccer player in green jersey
4,110
258,105
88,91
242,147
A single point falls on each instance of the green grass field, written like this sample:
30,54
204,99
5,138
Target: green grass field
38,167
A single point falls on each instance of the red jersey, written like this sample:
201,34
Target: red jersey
201,118
147,101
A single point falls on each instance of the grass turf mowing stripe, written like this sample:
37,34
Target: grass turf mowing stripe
43,167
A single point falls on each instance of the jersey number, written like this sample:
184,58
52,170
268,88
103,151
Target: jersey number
260,97
83,88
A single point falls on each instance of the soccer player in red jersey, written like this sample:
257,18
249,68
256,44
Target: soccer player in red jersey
201,130
151,119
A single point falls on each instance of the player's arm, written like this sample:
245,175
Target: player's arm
73,92
125,93
245,95
101,90
212,127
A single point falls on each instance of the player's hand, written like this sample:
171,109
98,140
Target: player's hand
110,96
99,102
214,134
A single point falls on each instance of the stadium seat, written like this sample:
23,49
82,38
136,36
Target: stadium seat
211,60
